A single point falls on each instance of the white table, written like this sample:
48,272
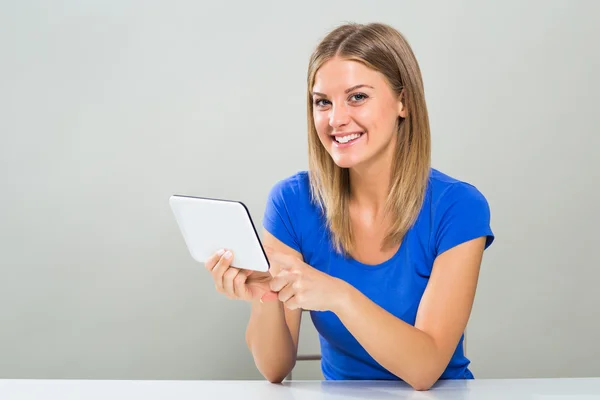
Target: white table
480,389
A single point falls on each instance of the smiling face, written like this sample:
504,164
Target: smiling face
355,112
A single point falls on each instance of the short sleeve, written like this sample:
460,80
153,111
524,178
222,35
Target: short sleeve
462,214
281,212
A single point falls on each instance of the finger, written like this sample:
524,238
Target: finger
292,303
286,293
220,269
239,284
228,278
211,261
280,281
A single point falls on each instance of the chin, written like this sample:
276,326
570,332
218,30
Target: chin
345,163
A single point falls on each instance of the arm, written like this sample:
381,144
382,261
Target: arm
419,354
273,331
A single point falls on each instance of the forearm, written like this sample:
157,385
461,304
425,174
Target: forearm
269,340
404,350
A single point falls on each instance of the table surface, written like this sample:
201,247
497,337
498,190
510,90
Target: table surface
480,389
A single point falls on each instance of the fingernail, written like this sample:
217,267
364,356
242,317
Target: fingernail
227,254
220,252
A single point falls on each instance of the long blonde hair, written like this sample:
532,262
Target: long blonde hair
384,49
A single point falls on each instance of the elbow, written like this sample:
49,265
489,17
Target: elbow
273,368
274,378
425,374
422,386
276,375
422,381
274,372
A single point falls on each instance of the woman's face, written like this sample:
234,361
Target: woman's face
355,112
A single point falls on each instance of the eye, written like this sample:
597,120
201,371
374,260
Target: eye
358,97
321,102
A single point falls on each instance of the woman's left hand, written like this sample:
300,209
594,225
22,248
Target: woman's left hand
301,286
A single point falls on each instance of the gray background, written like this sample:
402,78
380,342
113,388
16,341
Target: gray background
109,107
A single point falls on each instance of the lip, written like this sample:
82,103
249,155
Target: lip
352,143
345,133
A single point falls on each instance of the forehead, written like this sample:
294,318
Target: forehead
337,75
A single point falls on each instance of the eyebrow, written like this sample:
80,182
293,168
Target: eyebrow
345,91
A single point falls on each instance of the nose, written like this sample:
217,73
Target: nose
339,116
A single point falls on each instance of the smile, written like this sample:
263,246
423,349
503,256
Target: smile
347,140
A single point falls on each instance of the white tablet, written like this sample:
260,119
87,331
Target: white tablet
208,225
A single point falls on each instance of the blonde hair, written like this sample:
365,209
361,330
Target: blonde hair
384,49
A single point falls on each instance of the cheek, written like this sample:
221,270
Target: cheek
376,119
321,123
365,116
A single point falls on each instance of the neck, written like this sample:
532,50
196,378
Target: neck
369,184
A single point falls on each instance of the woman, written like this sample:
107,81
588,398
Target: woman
382,249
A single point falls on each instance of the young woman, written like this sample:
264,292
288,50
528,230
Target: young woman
382,249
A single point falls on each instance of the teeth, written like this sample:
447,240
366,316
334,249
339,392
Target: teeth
346,139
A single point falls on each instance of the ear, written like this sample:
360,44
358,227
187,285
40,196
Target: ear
402,111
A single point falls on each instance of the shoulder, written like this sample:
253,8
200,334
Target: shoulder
444,190
292,196
459,211
293,184
293,189
289,212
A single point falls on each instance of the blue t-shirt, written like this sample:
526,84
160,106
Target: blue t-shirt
453,212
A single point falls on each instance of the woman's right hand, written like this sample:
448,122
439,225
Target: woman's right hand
238,284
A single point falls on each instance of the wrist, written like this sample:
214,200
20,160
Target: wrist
342,296
270,309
